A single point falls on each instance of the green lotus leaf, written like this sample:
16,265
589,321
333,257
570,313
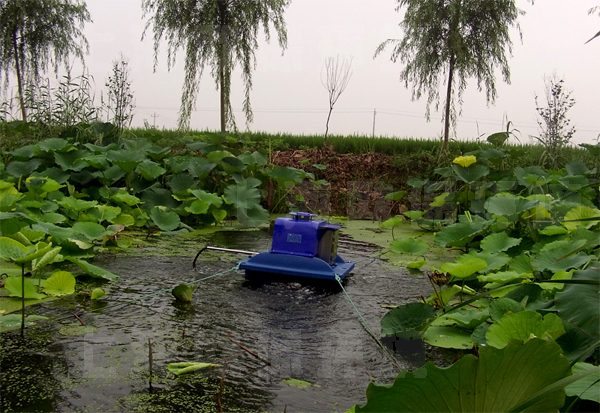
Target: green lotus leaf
24,152
495,261
60,283
472,173
126,220
13,321
53,218
508,205
503,277
19,168
13,285
558,256
181,183
92,270
392,222
581,216
112,174
443,296
499,242
104,212
409,246
127,199
524,326
440,200
165,220
91,230
78,330
414,214
460,234
56,174
448,337
197,207
127,160
284,176
417,182
35,251
242,197
183,292
160,197
42,184
578,303
11,250
97,161
55,145
553,230
587,388
77,205
97,293
150,170
300,384
219,214
465,267
395,196
254,158
199,167
560,275
211,199
46,259
189,367
497,381
71,161
59,233
158,153
406,320
501,306
498,138
469,317
416,264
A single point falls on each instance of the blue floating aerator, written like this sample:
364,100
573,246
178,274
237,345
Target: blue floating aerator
302,247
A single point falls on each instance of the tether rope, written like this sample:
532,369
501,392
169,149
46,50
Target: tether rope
366,326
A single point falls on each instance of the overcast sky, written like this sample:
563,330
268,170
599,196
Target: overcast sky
288,95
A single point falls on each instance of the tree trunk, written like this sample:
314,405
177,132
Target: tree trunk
448,103
19,78
221,82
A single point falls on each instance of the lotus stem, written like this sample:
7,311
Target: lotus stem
249,351
22,300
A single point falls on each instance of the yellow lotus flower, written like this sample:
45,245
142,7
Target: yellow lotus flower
465,161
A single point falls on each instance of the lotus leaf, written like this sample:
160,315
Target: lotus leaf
97,161
494,261
553,230
504,204
448,337
77,205
165,220
440,200
150,170
409,246
254,158
71,161
13,284
47,258
199,167
392,222
13,321
498,242
127,160
472,173
42,185
55,145
498,308
469,317
91,230
497,381
464,267
395,196
406,320
503,277
183,292
138,145
11,250
125,198
416,264
587,388
189,367
92,270
211,199
581,216
112,174
442,297
524,326
560,275
560,256
301,384
18,168
460,234
578,303
60,283
97,293
414,214
284,176
197,207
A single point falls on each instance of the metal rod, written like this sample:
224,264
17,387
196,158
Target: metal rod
251,253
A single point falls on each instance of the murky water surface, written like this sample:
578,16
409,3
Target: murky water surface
305,332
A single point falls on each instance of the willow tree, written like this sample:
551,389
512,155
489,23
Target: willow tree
452,41
36,34
218,34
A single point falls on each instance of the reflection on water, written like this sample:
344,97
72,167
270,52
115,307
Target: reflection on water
305,332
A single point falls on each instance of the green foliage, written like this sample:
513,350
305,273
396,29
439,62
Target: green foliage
189,367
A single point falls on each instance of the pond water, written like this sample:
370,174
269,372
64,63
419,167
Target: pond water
305,332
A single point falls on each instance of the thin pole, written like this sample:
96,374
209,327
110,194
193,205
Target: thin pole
374,114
